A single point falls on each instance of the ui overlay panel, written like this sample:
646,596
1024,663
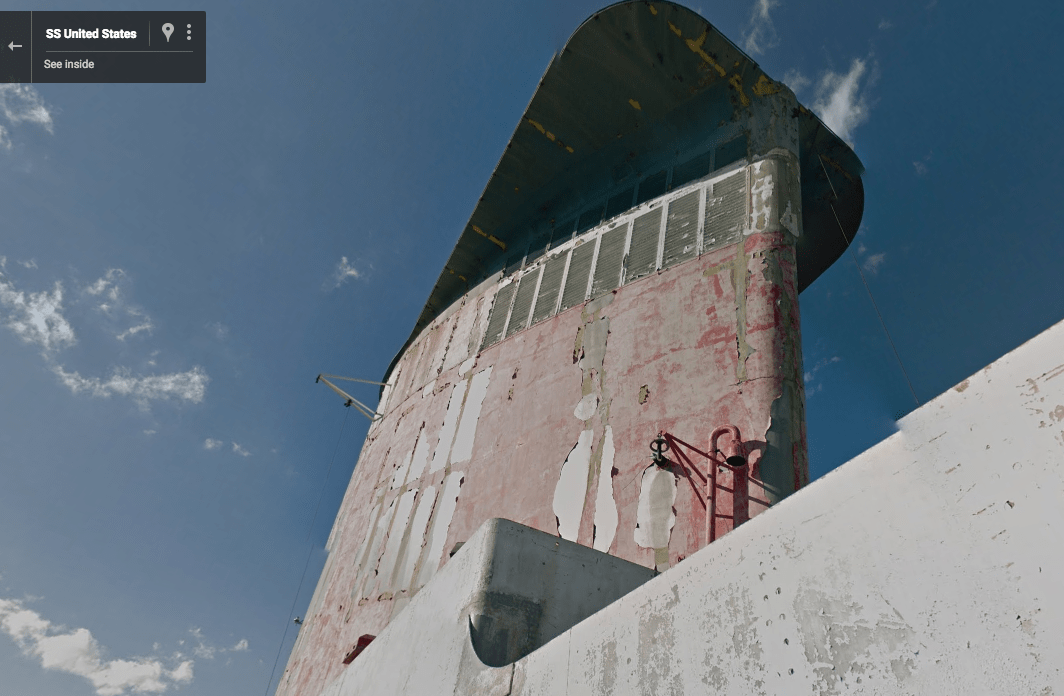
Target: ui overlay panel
103,47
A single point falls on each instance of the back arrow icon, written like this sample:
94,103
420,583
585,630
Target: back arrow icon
14,45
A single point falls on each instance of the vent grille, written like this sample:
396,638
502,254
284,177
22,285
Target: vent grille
608,268
526,292
725,212
549,287
579,269
681,229
497,320
643,255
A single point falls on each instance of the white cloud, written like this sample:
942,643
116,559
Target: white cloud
77,652
31,264
344,272
183,672
212,444
794,79
241,646
187,386
109,280
221,331
810,376
885,24
201,649
134,330
37,317
761,32
149,432
840,100
240,450
111,289
22,103
874,261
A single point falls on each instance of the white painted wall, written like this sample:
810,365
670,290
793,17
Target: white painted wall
930,564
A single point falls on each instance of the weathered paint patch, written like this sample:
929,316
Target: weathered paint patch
654,516
368,566
465,367
467,429
789,220
605,504
420,456
396,532
458,350
399,476
572,488
404,574
450,424
427,390
441,522
586,407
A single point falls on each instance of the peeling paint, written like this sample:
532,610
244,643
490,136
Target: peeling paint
368,566
441,522
404,574
655,516
420,456
789,221
571,489
586,407
396,532
467,429
450,425
605,504
399,477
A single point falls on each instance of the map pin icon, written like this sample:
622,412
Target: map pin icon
168,29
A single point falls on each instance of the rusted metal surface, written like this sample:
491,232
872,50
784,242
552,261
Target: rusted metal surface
636,93
549,428
532,396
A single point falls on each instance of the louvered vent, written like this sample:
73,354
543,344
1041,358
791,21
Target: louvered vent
526,292
549,287
610,256
725,212
579,269
643,254
681,229
652,187
497,320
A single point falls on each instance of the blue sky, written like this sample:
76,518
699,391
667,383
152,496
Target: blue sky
180,261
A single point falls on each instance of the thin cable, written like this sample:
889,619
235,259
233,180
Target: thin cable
865,282
310,551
